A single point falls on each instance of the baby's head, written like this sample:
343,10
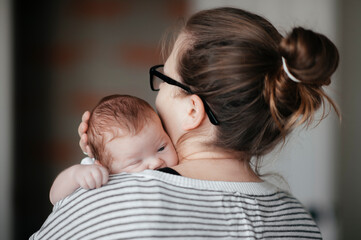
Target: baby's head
126,135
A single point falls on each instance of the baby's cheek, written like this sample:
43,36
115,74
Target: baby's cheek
138,168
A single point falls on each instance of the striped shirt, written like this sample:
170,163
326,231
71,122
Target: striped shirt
158,205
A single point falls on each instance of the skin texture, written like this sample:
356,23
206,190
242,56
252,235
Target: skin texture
151,148
83,126
190,130
85,176
183,115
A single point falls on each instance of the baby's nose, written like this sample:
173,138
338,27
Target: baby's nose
155,163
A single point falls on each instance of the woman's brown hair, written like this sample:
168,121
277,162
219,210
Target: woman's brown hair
233,59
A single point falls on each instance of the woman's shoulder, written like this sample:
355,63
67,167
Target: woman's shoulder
131,198
158,183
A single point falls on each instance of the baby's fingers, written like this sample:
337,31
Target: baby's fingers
84,183
91,183
99,176
105,175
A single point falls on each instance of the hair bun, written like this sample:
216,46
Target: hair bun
311,57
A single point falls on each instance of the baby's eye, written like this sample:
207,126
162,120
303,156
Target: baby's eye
161,149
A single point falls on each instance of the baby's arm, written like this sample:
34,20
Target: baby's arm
85,176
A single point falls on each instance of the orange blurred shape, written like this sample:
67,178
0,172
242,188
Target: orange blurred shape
99,9
55,150
84,101
177,8
63,55
140,55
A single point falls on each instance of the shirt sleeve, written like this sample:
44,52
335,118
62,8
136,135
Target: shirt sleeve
87,161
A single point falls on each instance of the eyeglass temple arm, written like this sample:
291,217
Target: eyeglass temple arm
210,114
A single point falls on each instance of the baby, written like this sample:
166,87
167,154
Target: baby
125,134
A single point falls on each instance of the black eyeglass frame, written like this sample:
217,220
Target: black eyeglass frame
154,72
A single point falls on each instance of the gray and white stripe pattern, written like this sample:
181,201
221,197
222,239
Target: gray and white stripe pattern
157,205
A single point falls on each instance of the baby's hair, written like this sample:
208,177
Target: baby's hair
116,116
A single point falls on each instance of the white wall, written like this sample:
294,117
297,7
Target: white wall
5,121
308,160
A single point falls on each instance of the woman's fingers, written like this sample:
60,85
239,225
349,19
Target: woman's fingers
83,142
83,126
86,116
89,151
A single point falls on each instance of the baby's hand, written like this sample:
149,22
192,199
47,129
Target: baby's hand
91,176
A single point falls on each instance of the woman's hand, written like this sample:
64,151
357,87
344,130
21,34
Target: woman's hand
83,127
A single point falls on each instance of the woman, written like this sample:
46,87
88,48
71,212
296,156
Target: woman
231,89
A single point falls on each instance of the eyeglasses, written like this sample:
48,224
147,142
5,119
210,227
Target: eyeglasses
157,77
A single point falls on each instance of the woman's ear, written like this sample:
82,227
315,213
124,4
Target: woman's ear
195,113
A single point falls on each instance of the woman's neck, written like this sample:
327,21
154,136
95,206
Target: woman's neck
210,163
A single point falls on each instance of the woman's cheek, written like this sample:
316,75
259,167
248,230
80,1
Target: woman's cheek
157,102
162,97
159,105
170,156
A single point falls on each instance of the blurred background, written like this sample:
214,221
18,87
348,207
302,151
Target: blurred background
59,57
